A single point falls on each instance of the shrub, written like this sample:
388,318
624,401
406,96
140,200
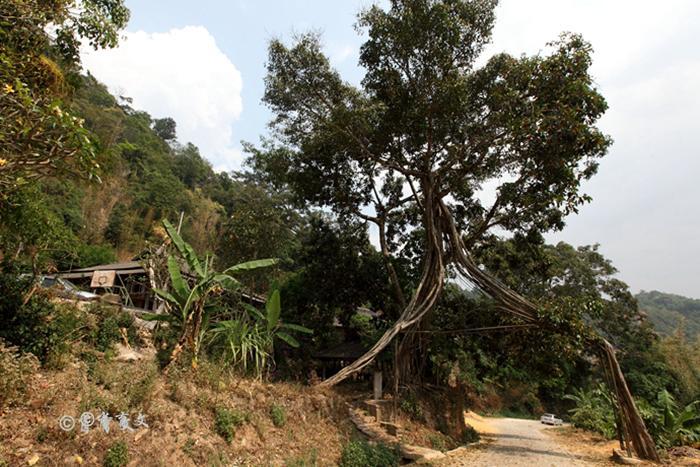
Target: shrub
16,369
362,454
117,455
278,415
411,407
226,421
470,435
437,441
106,329
593,411
91,255
31,321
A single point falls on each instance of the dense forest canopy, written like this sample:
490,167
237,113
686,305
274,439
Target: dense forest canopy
668,312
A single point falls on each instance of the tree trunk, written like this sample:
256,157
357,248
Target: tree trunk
440,225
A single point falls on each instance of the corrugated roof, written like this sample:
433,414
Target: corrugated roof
110,267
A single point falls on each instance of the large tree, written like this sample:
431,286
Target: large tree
39,59
428,134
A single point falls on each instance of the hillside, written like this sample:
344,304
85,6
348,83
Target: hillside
667,311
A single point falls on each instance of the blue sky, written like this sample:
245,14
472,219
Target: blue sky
203,64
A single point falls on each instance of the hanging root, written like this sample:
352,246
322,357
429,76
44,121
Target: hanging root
632,424
423,299
439,223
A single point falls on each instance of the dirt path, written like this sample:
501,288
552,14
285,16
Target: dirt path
515,442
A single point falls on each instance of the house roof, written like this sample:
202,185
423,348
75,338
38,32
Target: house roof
128,268
124,268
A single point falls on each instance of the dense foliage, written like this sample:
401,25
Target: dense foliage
670,311
39,136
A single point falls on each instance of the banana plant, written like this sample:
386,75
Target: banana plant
248,341
190,300
678,426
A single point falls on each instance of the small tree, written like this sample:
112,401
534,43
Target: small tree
190,306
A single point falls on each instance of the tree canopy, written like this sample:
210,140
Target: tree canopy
39,57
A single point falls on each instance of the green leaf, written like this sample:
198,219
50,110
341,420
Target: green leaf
250,265
180,287
273,307
155,317
296,327
288,339
254,311
184,248
166,296
226,281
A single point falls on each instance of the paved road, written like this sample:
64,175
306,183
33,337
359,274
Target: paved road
515,442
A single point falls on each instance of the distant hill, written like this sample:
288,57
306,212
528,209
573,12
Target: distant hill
667,310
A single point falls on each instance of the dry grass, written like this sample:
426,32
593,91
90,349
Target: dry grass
180,413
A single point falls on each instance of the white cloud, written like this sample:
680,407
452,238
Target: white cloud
338,54
180,74
646,63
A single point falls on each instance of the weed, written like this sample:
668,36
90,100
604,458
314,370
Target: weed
16,369
42,434
218,459
362,454
309,460
188,447
139,392
117,455
470,435
226,421
278,415
437,441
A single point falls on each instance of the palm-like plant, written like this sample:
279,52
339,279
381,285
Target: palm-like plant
678,426
248,341
191,304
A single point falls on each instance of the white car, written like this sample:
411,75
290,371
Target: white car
550,419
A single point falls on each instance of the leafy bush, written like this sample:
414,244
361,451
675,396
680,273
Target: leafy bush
248,341
362,454
470,435
106,330
438,441
593,411
31,321
278,415
678,426
16,369
91,255
191,305
411,407
117,455
226,421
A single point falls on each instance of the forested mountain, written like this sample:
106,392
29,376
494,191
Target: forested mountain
669,311
145,175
